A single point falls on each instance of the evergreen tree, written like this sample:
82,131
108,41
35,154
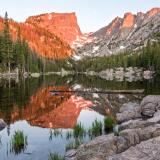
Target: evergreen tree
7,44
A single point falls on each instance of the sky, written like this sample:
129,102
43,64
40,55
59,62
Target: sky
91,14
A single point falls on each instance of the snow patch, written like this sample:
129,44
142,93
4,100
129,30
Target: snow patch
76,57
95,48
135,26
122,47
49,16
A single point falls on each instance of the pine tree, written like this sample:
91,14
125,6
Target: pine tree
7,44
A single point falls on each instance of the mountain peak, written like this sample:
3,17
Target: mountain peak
128,21
153,12
64,25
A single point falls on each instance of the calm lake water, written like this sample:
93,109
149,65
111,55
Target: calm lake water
29,106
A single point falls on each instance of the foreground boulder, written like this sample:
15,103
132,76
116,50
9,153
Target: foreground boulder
150,105
107,145
128,111
2,124
147,150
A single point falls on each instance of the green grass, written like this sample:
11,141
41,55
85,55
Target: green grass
73,145
109,123
79,131
55,156
55,133
96,129
18,142
69,134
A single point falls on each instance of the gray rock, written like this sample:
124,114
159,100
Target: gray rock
128,111
147,150
98,148
150,105
127,115
108,145
130,107
70,155
2,124
137,123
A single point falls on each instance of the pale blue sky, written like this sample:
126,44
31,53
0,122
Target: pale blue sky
91,14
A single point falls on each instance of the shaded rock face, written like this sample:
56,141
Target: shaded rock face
64,25
130,32
2,124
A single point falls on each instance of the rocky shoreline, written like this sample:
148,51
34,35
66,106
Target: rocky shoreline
138,136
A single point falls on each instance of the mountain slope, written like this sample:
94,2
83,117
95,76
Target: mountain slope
130,32
40,40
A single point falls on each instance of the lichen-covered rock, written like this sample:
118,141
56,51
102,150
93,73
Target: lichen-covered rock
150,105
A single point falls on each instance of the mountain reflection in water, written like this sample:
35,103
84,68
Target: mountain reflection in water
49,111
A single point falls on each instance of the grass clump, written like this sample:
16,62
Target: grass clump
69,135
18,142
55,133
109,123
73,145
55,156
96,129
79,131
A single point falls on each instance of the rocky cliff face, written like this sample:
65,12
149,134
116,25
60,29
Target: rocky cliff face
64,25
130,32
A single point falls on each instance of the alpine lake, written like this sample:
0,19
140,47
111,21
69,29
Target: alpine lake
46,119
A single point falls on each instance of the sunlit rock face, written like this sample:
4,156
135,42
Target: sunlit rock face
153,12
51,111
128,20
64,25
43,42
